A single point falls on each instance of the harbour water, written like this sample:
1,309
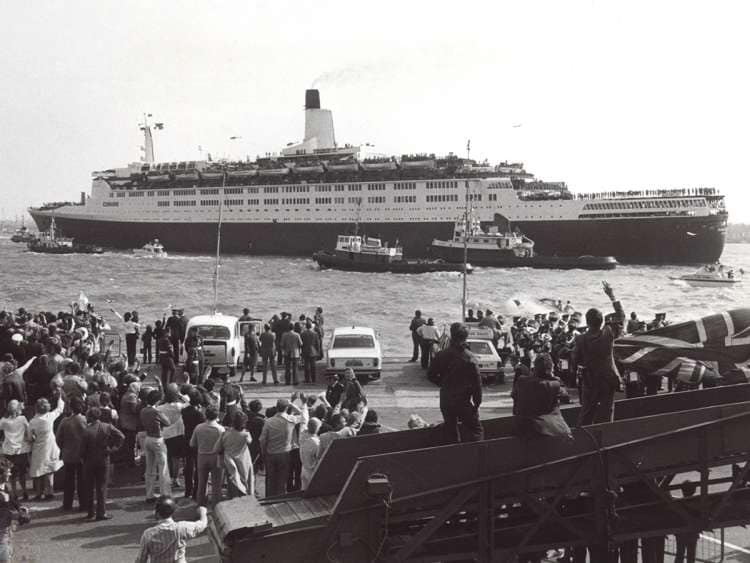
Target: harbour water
386,302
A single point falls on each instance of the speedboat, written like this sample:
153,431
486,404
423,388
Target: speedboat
153,249
713,275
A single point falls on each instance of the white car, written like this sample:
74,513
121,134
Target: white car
355,347
490,363
222,341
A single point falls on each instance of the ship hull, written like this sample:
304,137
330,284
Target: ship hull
679,240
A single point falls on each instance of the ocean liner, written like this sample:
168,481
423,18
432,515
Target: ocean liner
302,198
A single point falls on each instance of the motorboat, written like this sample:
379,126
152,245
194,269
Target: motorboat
23,235
508,250
152,249
713,275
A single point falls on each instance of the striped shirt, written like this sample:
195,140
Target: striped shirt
166,542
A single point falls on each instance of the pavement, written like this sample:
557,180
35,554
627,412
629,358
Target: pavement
59,537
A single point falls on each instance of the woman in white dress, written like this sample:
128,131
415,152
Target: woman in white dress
45,455
234,447
309,450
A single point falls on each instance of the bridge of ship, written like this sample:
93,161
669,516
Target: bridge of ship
408,496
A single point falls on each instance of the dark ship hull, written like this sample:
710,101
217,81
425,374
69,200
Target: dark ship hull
672,240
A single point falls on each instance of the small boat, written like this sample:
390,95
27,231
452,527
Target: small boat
242,173
712,275
417,161
348,164
368,254
23,235
48,242
152,249
509,250
378,163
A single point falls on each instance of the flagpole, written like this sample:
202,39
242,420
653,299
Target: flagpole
218,242
466,253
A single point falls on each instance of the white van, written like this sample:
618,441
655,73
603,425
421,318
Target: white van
222,341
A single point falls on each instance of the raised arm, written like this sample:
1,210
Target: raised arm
617,327
25,366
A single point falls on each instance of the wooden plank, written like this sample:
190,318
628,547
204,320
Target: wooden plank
300,510
286,514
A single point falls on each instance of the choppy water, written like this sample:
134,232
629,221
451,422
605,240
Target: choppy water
386,302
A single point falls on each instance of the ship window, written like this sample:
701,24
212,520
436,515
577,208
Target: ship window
162,204
110,204
162,193
120,194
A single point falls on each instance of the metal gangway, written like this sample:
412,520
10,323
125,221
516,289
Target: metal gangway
409,496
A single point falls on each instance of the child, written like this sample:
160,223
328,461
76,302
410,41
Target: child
147,337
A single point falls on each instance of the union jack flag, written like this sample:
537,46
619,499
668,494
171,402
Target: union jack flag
686,351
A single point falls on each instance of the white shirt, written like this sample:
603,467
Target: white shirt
429,332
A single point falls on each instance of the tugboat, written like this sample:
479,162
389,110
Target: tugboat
23,234
509,250
368,254
153,249
713,275
49,242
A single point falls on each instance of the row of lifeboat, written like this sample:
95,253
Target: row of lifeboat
271,167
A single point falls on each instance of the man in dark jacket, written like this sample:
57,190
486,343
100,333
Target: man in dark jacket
252,349
173,325
416,322
456,372
536,402
310,351
255,421
593,352
166,357
69,438
100,439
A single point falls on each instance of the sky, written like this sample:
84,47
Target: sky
601,95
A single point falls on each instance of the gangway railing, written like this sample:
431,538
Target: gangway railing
505,496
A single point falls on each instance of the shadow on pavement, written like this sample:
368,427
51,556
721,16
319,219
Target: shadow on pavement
108,536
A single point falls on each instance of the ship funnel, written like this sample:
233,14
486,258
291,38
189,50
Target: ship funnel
318,123
312,99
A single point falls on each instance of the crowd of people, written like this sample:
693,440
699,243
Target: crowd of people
73,408
280,342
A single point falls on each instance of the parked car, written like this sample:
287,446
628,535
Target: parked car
355,347
222,341
490,363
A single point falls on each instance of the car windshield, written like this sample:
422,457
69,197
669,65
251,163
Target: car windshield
213,331
480,347
353,341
